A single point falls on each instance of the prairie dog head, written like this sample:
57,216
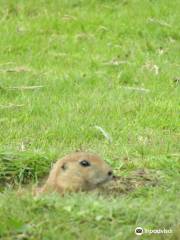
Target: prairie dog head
78,171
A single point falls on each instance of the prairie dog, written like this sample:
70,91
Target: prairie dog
78,171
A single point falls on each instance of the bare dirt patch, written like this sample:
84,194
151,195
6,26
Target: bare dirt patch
136,179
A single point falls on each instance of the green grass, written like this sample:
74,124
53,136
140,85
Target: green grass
89,56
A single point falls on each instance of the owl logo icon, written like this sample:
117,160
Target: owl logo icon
139,231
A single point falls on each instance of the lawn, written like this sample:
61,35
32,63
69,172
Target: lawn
67,70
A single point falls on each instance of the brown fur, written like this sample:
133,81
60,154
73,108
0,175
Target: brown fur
69,175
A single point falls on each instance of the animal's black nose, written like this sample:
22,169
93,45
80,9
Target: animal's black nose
110,173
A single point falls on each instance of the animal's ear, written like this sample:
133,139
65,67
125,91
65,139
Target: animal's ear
64,166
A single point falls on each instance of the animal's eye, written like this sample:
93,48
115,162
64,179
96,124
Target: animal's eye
85,163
